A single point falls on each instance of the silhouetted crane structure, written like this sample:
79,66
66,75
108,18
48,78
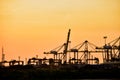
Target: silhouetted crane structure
86,48
56,52
81,54
115,44
59,56
111,51
66,47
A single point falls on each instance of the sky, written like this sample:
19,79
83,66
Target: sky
31,27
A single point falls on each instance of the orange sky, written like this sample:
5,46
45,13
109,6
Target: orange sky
30,27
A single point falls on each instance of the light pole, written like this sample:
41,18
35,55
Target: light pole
105,37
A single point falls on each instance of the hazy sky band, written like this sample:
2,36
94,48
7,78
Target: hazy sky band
29,27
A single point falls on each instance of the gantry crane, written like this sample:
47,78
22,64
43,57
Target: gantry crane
111,51
56,52
86,48
66,47
60,56
115,44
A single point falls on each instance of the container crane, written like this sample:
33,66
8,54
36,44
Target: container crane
59,56
85,49
56,52
66,47
111,51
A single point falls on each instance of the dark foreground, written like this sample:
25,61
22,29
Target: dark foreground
47,72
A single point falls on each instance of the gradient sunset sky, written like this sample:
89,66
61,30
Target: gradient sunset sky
30,27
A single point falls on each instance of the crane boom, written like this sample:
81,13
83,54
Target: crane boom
66,46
